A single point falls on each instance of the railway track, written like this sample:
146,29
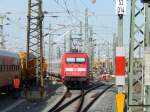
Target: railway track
59,102
86,108
59,107
94,99
80,104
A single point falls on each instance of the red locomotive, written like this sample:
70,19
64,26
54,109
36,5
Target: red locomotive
75,69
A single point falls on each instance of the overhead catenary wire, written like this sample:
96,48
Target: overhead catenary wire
67,10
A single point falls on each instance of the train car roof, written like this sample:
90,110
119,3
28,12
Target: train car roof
8,53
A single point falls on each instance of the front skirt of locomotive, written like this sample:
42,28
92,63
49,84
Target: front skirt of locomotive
76,82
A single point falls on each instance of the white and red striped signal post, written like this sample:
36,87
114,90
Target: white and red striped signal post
120,66
120,78
120,56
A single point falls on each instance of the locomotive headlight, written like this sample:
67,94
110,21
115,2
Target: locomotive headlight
68,69
82,69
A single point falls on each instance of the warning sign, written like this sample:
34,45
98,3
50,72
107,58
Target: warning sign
147,66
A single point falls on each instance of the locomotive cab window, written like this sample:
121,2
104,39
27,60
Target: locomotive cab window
70,60
75,60
80,60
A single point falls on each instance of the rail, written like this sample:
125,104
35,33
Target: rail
59,102
97,96
74,99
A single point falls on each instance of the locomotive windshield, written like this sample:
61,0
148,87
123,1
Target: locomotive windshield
75,60
70,60
80,60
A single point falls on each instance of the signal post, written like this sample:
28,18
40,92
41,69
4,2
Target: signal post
120,56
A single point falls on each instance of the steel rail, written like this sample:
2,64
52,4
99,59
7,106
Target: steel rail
80,104
74,99
59,102
97,96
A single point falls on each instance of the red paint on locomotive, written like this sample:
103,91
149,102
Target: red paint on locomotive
75,67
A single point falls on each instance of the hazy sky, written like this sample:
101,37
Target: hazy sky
102,18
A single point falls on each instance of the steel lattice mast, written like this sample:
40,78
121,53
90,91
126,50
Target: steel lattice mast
136,64
2,46
35,36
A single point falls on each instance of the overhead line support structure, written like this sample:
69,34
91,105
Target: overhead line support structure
139,37
88,40
1,32
114,52
147,52
35,39
86,31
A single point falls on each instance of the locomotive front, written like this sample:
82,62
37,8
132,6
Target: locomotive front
75,69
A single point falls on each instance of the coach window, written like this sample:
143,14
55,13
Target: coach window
9,67
0,68
17,67
3,68
80,60
70,60
13,67
6,68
